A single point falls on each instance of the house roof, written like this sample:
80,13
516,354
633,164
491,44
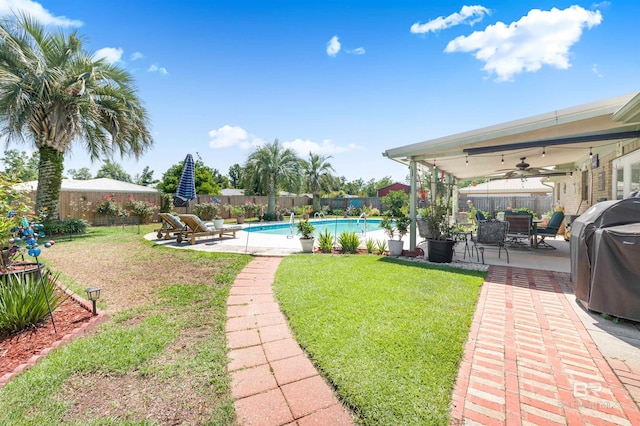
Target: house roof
92,185
565,136
232,191
508,187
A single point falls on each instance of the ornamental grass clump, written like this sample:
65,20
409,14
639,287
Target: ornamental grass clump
23,300
325,241
349,242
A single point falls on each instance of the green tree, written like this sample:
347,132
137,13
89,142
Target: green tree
316,169
205,184
21,165
113,170
82,173
270,167
145,178
236,174
53,92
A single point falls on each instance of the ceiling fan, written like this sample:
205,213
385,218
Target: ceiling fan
523,169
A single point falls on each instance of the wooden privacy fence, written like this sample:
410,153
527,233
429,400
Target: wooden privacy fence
493,204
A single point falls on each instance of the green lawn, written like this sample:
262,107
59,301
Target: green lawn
388,334
161,361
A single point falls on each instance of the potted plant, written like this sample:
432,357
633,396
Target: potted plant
237,212
396,220
441,232
305,229
218,222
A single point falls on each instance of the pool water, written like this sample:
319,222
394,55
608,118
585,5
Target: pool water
335,227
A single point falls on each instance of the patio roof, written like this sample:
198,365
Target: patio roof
566,137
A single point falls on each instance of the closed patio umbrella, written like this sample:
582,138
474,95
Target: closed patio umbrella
186,190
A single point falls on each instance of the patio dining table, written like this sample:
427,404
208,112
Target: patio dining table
534,225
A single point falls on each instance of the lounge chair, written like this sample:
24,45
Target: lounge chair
197,228
171,226
550,230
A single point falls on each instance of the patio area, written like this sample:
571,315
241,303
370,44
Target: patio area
534,354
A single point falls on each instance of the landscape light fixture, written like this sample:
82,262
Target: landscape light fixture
93,294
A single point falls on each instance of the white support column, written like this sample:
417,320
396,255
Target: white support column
413,176
456,200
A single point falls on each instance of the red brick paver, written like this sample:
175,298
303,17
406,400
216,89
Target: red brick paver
530,360
273,381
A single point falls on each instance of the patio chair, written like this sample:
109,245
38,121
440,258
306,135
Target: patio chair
480,216
519,229
550,230
490,232
171,226
197,228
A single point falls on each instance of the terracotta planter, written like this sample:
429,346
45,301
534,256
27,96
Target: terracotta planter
240,219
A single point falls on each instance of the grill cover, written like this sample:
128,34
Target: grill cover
602,256
615,275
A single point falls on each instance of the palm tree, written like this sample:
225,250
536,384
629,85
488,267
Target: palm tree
316,170
53,93
269,167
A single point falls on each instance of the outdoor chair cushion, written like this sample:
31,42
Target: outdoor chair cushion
197,228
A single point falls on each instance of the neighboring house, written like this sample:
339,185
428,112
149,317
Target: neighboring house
393,187
228,192
533,193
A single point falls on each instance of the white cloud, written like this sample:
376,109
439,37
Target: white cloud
468,15
357,51
109,54
136,55
229,136
540,38
304,147
596,71
35,10
333,46
155,68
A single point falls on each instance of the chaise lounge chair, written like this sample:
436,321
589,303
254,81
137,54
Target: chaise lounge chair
197,228
171,226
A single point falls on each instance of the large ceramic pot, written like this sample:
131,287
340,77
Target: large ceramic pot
218,223
307,244
240,219
440,251
395,247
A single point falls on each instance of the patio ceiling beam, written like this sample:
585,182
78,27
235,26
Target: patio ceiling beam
554,141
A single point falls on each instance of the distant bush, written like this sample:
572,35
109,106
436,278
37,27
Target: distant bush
66,227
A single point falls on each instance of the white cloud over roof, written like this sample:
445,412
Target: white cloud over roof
468,15
537,39
35,10
333,46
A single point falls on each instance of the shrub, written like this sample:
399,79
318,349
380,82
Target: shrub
381,246
23,300
370,244
143,210
206,211
325,241
167,203
349,242
65,227
108,207
305,229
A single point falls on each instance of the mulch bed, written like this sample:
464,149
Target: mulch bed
18,348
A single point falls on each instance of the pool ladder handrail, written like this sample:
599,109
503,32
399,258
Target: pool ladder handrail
363,216
319,215
291,221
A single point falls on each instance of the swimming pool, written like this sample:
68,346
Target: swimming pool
335,227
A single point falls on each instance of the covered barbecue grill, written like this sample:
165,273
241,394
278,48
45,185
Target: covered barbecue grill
605,258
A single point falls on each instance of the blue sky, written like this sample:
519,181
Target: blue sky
348,79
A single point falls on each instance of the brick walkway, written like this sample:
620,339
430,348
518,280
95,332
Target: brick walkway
530,360
273,381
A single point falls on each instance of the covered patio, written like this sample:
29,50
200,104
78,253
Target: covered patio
581,148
